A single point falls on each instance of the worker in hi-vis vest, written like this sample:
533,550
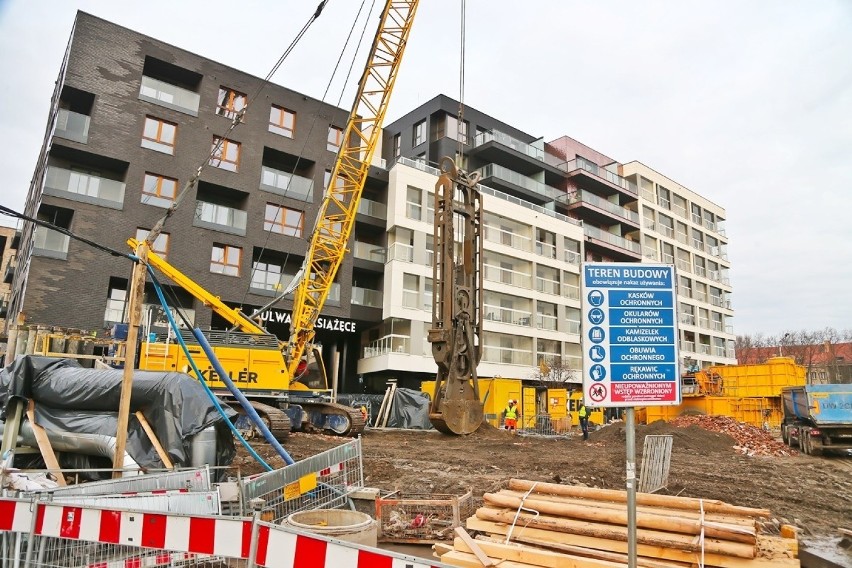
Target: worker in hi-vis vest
510,415
584,420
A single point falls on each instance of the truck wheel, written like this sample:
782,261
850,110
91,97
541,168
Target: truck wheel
803,441
815,446
785,437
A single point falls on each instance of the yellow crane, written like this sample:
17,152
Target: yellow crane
270,373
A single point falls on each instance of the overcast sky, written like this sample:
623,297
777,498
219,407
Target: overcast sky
748,103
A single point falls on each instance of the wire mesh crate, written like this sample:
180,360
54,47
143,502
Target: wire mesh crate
422,518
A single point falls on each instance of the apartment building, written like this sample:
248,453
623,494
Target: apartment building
132,118
9,240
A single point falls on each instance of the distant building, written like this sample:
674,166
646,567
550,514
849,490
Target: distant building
132,118
9,241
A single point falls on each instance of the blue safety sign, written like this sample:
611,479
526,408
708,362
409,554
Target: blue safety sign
630,355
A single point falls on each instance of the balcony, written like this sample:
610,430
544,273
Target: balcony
571,291
506,355
366,297
512,180
614,240
169,96
78,186
72,126
687,319
391,343
547,285
687,346
507,276
684,265
369,251
220,218
401,252
4,306
269,283
572,327
602,176
372,208
50,243
287,185
572,257
546,250
545,321
650,253
500,236
588,199
507,315
496,146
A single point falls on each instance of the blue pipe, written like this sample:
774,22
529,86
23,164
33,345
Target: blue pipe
250,411
198,374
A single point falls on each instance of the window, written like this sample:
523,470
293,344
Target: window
226,259
161,243
283,221
427,294
413,208
335,138
397,146
158,190
116,298
410,290
282,121
269,276
159,135
419,134
230,103
226,154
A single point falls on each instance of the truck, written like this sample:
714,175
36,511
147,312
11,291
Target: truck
818,418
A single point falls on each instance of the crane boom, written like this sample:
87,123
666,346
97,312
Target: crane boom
343,194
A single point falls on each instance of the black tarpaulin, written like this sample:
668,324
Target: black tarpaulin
71,398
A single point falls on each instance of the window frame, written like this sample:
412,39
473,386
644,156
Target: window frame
280,127
163,252
158,144
338,132
226,249
397,145
159,178
279,225
418,134
228,110
222,154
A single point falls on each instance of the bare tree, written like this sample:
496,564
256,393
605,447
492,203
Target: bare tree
555,374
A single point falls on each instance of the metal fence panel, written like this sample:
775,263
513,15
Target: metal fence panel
190,479
656,459
195,503
544,425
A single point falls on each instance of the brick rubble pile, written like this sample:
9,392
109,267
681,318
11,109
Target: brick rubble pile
751,441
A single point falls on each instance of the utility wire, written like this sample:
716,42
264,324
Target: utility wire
6,211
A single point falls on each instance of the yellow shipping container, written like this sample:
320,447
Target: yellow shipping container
764,380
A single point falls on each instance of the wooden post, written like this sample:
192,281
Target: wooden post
134,309
164,456
44,446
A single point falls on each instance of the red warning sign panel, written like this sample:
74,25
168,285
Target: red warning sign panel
597,393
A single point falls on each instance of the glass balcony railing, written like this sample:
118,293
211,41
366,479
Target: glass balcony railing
505,174
571,291
688,346
369,251
507,315
373,208
508,238
547,285
221,218
506,140
506,355
399,251
572,257
614,240
366,297
580,163
573,327
546,250
270,281
545,321
72,126
169,96
608,206
47,242
507,276
84,187
391,343
288,185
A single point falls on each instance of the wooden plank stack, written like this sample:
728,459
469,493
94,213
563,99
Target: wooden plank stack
534,524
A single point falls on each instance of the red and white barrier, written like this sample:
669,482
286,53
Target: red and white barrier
192,535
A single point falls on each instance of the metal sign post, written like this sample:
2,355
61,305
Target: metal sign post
630,349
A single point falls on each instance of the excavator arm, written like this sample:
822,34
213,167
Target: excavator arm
340,204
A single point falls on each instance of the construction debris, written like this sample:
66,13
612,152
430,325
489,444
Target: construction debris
534,524
751,441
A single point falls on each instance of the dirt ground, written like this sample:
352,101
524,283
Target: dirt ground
813,493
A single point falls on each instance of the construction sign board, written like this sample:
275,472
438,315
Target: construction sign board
630,355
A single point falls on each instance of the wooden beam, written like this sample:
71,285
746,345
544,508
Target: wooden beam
164,457
134,298
44,445
689,503
545,537
472,546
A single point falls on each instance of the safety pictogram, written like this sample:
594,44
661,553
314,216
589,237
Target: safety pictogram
597,393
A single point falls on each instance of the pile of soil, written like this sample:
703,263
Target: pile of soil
814,493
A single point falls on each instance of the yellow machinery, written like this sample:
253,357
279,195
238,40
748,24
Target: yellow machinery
747,393
276,375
